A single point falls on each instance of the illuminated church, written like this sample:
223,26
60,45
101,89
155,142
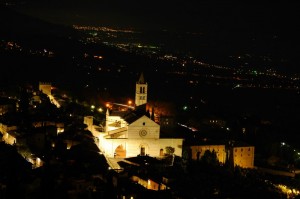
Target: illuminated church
131,133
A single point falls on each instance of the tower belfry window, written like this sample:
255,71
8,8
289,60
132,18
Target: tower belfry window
141,90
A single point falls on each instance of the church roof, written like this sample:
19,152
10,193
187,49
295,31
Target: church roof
131,115
141,79
119,113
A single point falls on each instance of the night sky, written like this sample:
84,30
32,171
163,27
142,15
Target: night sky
176,14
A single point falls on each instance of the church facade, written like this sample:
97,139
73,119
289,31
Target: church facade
131,133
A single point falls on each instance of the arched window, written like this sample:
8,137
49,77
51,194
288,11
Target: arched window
143,151
161,152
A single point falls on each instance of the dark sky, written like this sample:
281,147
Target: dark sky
176,14
220,19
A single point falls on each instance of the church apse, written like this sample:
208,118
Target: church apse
120,152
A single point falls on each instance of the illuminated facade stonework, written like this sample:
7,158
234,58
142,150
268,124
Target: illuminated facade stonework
243,156
9,134
128,134
141,137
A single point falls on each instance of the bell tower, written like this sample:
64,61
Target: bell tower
141,91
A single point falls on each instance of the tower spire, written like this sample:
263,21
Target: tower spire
141,79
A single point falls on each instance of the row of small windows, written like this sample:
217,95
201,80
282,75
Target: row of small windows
142,97
242,155
249,149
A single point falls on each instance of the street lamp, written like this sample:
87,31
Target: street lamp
129,102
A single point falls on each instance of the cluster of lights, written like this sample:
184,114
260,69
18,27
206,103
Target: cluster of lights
290,192
100,109
283,144
196,63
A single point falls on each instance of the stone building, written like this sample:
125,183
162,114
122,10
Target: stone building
131,133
